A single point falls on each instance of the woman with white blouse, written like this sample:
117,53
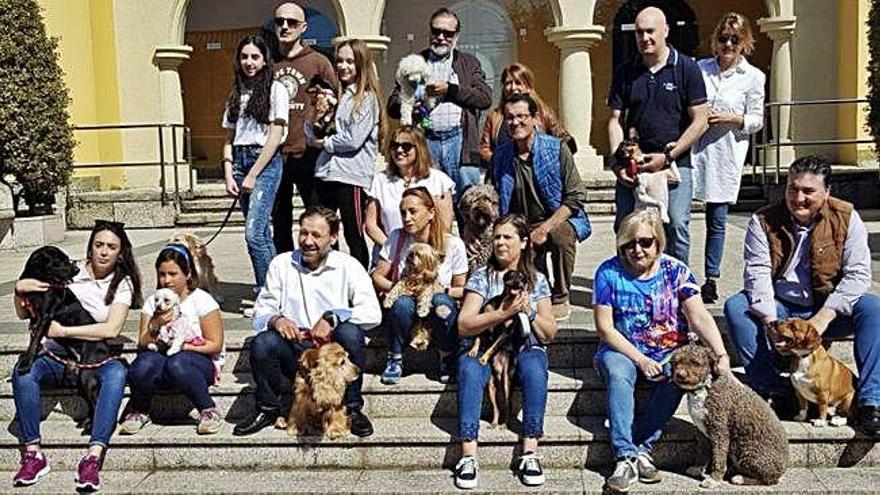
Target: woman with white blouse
735,91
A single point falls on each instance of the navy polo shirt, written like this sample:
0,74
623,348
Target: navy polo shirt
656,104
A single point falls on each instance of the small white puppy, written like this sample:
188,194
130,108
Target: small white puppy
178,330
413,74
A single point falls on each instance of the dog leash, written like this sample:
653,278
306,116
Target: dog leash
74,364
225,221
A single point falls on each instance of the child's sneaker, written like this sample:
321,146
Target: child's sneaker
209,421
133,423
87,474
33,466
466,473
529,469
393,371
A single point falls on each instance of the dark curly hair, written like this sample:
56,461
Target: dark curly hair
260,84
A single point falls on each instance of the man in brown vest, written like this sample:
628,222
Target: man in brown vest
808,257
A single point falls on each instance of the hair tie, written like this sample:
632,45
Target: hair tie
181,250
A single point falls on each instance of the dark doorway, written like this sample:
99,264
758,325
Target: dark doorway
683,32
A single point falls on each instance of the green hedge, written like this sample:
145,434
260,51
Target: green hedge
36,139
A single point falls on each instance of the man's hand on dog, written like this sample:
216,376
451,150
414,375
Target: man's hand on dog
654,162
287,329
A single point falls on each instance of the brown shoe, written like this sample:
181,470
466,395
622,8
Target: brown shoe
561,311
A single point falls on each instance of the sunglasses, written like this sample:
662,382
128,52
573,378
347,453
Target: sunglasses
724,38
644,242
406,147
109,224
436,32
290,21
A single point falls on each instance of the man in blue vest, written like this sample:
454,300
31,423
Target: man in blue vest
536,177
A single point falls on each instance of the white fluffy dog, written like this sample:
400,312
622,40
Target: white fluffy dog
413,74
179,330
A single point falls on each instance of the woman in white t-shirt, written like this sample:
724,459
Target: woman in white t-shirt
421,224
107,285
256,119
409,165
192,370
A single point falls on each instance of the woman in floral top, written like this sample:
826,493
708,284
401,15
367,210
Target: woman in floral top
644,304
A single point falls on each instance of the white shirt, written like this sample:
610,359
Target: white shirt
340,285
91,292
388,191
454,263
248,131
196,305
720,153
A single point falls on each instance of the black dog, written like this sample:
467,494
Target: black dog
51,265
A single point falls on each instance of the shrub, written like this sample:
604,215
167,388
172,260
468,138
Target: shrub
36,138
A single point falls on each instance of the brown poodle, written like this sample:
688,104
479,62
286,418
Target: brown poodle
478,207
204,265
740,426
323,375
816,376
419,281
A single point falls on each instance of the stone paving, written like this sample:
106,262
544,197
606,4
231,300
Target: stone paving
234,270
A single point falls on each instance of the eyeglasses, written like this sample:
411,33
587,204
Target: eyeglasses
406,147
724,38
437,32
290,21
644,242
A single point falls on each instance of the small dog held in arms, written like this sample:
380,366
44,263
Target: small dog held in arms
499,352
81,357
413,74
321,379
479,209
652,188
178,331
323,121
817,377
741,427
419,281
204,264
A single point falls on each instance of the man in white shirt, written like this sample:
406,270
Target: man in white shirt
312,294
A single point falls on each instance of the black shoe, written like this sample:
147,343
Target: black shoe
255,422
360,424
709,291
869,420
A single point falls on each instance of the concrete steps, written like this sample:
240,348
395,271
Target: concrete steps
208,206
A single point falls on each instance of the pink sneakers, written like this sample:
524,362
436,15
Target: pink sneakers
34,466
87,478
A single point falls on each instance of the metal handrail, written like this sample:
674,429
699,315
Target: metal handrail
777,142
162,163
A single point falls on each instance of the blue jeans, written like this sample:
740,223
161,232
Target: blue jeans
678,239
716,217
274,364
445,148
531,375
629,437
256,207
48,373
444,329
747,336
189,372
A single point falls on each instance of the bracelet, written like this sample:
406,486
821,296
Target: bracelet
227,160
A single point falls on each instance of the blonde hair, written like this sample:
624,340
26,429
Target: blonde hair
738,24
421,169
626,233
367,81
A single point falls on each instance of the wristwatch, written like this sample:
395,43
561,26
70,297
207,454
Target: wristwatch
668,154
331,318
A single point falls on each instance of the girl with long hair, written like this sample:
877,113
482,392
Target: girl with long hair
256,119
346,165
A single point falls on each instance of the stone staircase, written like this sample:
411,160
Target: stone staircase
208,206
415,432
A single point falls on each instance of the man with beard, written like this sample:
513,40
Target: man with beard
536,177
314,294
295,65
459,84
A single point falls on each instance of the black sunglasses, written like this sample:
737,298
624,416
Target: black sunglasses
644,242
406,147
724,38
446,33
109,224
294,23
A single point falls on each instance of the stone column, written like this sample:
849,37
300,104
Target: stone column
576,89
780,30
168,59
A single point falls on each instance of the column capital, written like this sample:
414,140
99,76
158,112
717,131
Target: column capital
170,57
375,42
570,37
778,28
